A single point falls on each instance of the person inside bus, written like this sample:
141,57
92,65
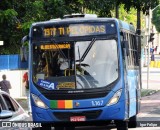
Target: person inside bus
43,65
63,65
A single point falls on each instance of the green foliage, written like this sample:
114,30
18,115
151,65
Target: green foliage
128,16
156,18
8,23
142,5
16,16
8,15
100,7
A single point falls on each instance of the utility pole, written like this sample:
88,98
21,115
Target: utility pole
117,11
139,43
149,21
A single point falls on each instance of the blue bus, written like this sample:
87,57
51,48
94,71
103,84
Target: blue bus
84,70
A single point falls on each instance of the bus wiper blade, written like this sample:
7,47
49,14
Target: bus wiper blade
61,52
79,57
87,50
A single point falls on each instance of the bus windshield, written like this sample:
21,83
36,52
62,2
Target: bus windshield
75,65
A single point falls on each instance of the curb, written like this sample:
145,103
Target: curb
148,92
155,64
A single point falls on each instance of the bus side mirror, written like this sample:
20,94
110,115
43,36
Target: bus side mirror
24,39
23,54
23,49
125,46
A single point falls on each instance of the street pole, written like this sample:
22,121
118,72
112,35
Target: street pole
149,20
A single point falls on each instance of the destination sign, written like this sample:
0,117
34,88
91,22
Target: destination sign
55,46
73,30
76,30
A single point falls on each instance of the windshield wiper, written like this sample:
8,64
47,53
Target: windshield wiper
79,57
87,50
61,52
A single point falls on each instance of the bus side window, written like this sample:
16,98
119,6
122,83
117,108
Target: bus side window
124,44
126,47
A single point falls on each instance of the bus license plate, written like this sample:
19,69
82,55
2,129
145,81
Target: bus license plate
77,118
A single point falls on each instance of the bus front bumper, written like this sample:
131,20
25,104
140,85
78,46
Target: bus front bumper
100,114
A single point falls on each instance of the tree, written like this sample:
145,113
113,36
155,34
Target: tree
156,18
8,31
128,16
140,5
100,7
16,16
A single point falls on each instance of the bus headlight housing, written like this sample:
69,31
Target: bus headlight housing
39,102
115,98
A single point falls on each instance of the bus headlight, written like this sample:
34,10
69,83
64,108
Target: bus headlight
39,102
115,98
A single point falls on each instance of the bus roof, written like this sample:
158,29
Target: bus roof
122,25
126,26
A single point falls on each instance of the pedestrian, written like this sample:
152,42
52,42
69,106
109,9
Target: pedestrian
5,84
26,85
152,56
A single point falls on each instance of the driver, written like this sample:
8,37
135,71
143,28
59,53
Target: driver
63,64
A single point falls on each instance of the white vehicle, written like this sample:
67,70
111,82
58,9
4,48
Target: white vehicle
10,111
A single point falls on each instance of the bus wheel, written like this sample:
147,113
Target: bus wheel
122,125
42,128
132,122
59,128
70,128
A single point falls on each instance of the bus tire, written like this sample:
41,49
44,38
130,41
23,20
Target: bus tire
59,128
132,122
122,125
69,128
42,128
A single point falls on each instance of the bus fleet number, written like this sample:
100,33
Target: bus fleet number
97,103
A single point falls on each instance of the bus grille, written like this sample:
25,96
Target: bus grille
65,116
75,96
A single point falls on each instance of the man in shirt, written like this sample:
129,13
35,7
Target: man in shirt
5,84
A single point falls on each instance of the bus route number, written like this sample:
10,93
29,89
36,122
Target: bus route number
97,103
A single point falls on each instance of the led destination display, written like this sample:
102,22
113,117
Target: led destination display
74,30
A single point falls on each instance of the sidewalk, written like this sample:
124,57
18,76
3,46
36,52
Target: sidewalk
151,78
150,106
151,69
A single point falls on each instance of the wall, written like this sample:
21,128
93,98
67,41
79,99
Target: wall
12,62
15,78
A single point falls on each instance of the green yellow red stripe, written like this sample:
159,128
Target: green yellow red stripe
61,104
